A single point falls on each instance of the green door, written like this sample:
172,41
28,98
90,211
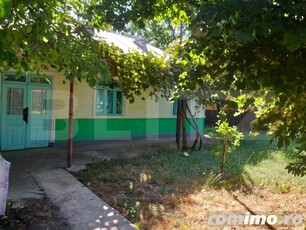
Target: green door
38,130
26,113
13,117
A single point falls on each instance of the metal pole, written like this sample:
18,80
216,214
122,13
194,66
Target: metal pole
70,125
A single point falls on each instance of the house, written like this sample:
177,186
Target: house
34,109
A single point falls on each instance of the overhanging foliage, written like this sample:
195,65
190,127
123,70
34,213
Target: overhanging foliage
259,45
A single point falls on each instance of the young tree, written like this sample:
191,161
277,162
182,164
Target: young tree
230,137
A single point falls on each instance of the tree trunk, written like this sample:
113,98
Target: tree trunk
181,133
178,124
183,117
223,154
70,125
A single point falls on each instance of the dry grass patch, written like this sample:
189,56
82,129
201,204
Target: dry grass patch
167,190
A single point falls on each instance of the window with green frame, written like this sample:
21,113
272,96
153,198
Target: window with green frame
108,101
174,107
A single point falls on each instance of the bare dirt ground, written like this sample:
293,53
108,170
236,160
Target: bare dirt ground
184,210
167,191
193,210
33,214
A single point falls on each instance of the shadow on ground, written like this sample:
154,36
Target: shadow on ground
146,187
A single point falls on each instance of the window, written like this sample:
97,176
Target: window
14,103
11,77
108,101
45,80
39,101
40,80
174,107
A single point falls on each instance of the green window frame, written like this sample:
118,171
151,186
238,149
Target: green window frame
174,107
109,102
27,79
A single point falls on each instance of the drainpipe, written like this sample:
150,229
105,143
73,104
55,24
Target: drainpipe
70,125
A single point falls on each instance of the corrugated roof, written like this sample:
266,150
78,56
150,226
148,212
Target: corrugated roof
127,43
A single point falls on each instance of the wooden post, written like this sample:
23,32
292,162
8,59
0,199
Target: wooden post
183,124
70,125
178,123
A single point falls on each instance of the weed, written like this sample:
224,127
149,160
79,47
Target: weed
132,212
212,180
282,188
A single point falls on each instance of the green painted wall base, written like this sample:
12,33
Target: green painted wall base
125,128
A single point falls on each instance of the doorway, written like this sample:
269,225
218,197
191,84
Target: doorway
25,112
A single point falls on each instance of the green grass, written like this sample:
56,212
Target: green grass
148,186
254,163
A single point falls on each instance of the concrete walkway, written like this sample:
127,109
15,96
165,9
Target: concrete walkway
82,208
39,172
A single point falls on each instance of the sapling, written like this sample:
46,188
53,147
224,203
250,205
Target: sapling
230,137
